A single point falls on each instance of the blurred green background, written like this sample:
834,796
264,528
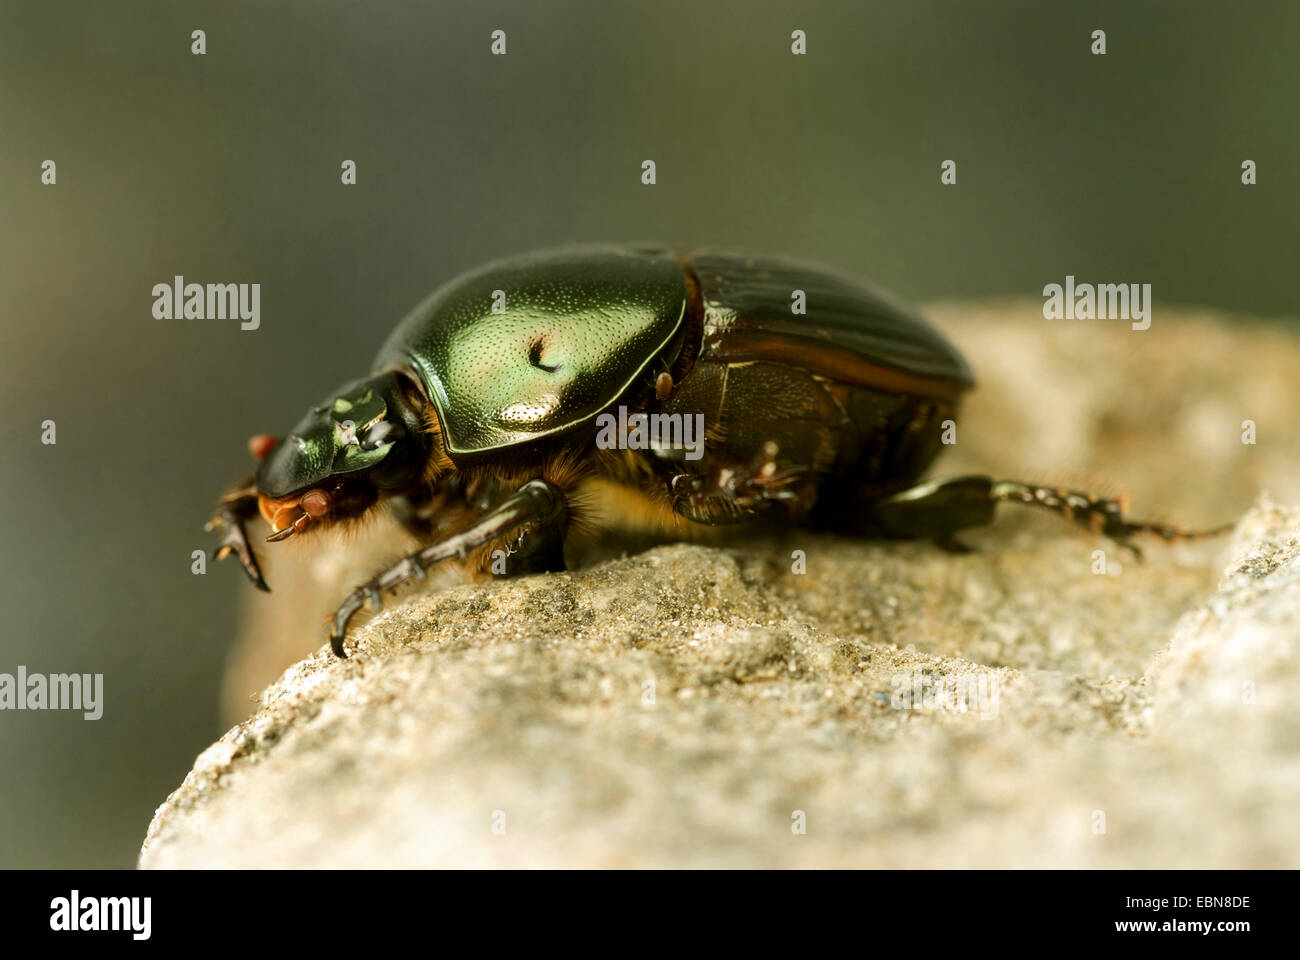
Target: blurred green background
226,168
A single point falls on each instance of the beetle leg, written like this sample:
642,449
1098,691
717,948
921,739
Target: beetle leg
536,508
237,508
1103,516
728,492
413,513
939,508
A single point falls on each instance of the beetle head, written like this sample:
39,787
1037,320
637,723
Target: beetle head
364,440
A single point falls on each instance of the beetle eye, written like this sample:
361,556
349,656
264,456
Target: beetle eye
385,431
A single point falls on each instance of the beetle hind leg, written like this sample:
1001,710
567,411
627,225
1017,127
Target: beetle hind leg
939,508
1103,516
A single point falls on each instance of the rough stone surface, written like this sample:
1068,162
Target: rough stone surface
689,705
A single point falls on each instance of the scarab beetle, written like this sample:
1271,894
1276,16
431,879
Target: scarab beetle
479,421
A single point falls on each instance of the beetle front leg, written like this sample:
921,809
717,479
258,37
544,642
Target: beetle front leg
939,508
535,510
237,508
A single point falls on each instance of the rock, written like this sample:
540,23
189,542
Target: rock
689,705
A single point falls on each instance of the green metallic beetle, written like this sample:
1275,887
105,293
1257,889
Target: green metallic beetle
485,423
